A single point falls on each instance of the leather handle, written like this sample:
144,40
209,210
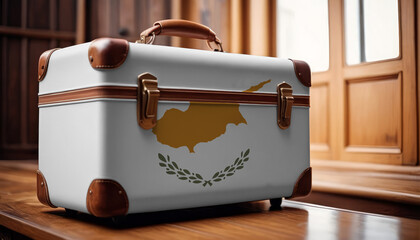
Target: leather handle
180,28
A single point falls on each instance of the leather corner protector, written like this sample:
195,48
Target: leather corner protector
303,72
106,198
108,53
44,59
303,185
42,189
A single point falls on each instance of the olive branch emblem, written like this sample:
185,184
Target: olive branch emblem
183,174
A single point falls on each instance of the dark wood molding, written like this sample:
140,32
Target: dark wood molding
36,33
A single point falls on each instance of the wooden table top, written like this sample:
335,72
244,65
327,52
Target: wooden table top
20,211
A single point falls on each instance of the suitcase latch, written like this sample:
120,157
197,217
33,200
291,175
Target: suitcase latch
147,100
285,104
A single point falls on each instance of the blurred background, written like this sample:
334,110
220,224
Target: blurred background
363,53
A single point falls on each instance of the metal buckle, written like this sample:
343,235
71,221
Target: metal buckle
147,100
143,39
285,104
219,45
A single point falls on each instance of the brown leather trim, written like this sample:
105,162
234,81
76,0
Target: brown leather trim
106,198
181,28
303,185
169,95
44,59
108,53
303,72
42,189
226,97
89,93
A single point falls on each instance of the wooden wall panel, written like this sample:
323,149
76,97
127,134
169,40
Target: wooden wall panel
11,93
64,43
14,7
126,18
65,15
319,118
38,14
27,29
374,113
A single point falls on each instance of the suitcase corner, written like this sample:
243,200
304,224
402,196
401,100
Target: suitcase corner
106,198
42,190
108,53
303,185
303,72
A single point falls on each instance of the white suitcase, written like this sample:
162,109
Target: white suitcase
131,127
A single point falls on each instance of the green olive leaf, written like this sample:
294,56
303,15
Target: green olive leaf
174,164
246,152
161,157
172,168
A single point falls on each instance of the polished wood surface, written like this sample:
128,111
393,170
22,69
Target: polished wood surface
20,211
363,204
399,184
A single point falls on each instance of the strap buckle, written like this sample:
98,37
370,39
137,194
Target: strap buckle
147,100
285,104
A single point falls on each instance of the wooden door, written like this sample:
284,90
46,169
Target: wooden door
367,112
364,108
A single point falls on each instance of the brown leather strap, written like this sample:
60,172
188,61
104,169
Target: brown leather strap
180,28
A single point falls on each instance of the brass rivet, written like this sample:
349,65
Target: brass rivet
39,76
300,74
42,183
90,192
120,192
91,59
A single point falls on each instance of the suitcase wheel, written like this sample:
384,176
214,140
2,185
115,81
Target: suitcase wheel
276,202
119,220
70,212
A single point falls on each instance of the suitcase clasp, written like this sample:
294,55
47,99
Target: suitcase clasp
147,100
285,104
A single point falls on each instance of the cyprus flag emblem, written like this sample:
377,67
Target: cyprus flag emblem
200,123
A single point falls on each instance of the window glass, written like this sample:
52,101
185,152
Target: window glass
371,30
302,32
